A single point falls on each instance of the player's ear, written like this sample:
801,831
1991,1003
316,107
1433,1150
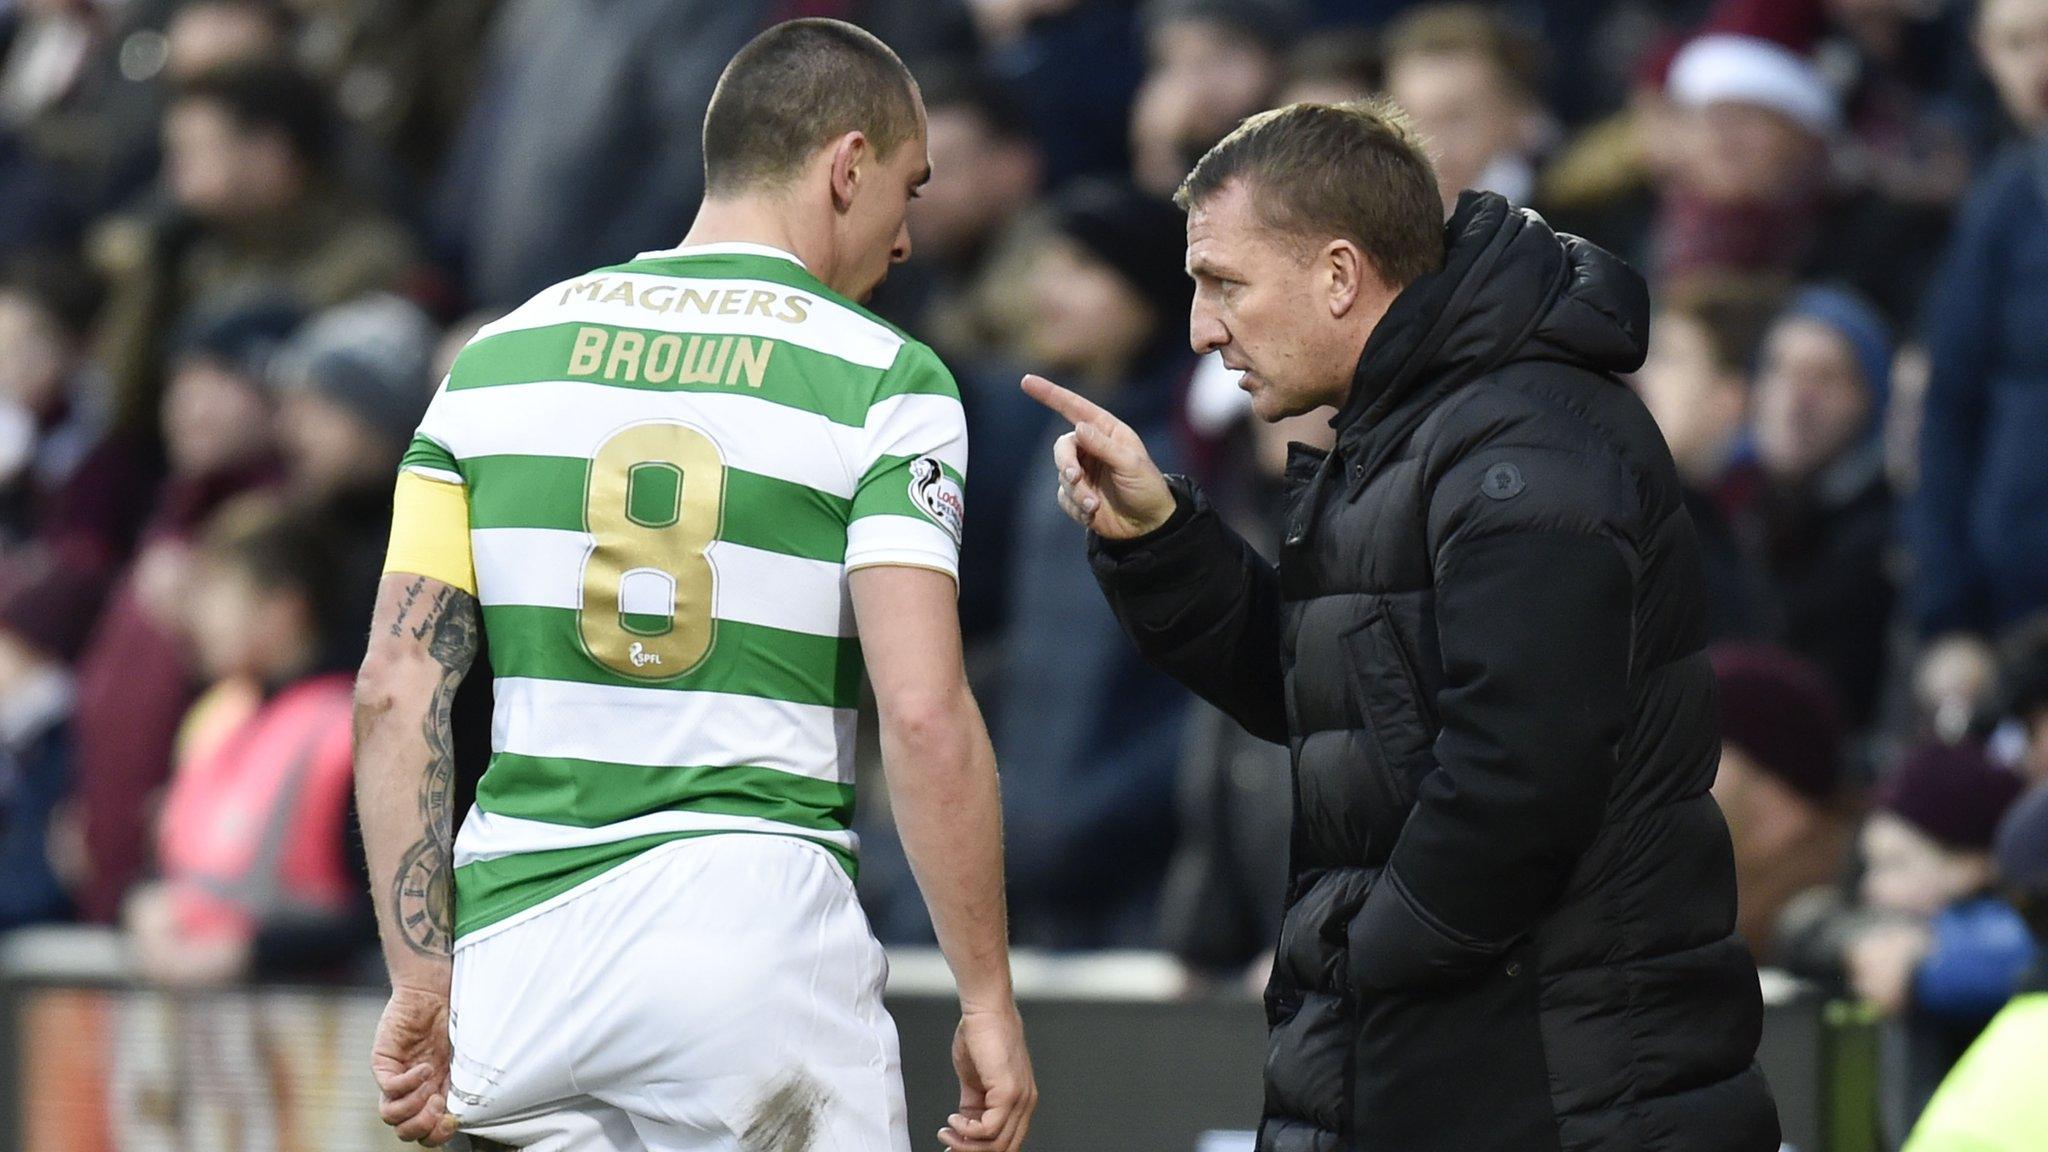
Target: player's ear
848,155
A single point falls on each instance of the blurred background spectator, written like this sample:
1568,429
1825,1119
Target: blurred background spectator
1922,935
1791,812
248,211
1821,516
1469,77
1226,885
1979,523
1087,733
1992,1100
259,873
242,240
1696,384
1210,63
136,674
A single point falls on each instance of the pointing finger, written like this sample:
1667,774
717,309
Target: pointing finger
1075,408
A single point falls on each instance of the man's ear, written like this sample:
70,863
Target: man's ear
1345,273
849,155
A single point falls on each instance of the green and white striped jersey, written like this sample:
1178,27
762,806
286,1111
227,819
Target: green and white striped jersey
669,467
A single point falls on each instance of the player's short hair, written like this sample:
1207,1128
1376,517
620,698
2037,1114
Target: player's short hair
796,86
1321,172
1463,29
268,96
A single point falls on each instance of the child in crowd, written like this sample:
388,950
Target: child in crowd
260,875
1994,1100
1941,954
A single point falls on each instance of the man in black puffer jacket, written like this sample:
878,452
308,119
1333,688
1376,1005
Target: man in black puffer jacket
1512,901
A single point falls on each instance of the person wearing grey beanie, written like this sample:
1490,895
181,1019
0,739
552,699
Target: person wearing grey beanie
352,383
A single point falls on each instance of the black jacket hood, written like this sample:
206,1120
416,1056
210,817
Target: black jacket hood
1510,289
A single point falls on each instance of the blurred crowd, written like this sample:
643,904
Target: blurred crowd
240,241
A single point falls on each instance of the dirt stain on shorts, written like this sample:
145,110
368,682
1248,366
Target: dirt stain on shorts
788,1118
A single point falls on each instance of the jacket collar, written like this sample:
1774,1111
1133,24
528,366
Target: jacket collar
1509,289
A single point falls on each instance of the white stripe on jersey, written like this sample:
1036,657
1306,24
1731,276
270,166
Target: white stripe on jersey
659,727
564,418
917,425
488,835
543,567
900,540
827,327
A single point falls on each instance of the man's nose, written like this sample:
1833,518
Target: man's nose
1206,332
901,251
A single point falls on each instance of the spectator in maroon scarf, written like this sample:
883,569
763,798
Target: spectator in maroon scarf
1754,190
135,680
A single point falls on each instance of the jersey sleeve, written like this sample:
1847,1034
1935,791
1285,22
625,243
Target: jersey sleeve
430,512
910,503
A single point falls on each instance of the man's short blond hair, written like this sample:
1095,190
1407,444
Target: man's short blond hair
1321,172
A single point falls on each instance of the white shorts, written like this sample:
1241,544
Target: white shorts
718,993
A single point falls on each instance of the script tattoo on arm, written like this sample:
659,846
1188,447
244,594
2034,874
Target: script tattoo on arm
423,888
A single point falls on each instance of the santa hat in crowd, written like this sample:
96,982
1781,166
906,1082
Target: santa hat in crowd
1720,68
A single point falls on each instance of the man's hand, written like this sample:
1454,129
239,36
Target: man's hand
410,1061
997,1092
1108,483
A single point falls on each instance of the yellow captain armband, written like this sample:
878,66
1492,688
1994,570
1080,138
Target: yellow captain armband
430,531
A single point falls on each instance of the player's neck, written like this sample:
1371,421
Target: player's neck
750,221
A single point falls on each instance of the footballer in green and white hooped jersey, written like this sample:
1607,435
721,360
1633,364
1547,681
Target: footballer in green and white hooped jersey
669,466
693,500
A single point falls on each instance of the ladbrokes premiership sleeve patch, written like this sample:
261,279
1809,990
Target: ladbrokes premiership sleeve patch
938,495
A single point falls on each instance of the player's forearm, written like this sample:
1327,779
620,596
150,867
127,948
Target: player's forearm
943,790
405,774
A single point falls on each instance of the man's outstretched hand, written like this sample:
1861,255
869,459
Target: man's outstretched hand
1107,482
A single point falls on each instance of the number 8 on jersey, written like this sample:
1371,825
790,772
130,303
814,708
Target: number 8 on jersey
653,505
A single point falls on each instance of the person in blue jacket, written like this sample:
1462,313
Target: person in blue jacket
1993,1101
1977,527
1939,954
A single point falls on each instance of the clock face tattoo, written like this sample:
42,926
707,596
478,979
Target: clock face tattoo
425,897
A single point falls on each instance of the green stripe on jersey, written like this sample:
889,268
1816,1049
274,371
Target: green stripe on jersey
884,494
760,511
424,453
491,890
745,659
591,793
